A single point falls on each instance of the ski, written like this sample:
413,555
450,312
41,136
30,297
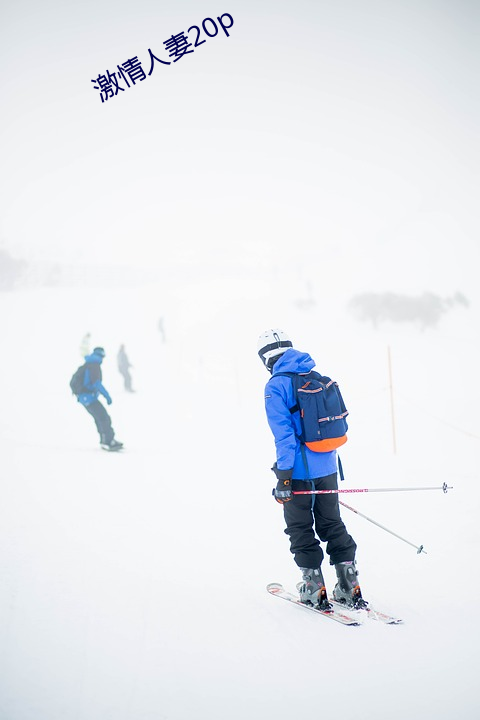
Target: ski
371,613
336,613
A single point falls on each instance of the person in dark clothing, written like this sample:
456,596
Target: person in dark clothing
124,366
92,388
309,518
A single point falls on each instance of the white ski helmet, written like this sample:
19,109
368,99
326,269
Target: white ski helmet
271,344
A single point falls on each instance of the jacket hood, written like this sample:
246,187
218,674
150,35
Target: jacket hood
293,361
93,358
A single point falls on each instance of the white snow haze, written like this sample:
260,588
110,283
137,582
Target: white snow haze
307,163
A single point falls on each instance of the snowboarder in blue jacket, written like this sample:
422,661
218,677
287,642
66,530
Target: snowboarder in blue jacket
309,518
92,388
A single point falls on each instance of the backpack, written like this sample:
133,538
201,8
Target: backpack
78,378
322,411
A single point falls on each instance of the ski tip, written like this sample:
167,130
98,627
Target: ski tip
274,587
383,617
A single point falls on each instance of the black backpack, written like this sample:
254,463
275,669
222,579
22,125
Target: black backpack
78,378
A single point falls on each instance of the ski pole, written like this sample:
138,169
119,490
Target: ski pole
443,487
419,548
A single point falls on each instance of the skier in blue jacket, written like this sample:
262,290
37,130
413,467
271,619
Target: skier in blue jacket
93,387
309,518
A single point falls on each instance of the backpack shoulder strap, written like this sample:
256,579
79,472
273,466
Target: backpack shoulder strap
293,377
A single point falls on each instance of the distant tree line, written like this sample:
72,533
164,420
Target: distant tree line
11,270
426,309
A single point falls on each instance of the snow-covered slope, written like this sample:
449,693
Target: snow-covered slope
133,585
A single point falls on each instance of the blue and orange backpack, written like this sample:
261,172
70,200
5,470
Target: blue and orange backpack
322,410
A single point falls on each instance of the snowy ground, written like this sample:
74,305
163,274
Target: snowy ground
133,585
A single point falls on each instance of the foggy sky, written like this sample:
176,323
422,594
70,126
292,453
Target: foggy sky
348,129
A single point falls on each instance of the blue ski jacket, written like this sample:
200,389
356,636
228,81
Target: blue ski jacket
93,381
285,426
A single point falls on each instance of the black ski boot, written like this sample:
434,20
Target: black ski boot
312,589
347,590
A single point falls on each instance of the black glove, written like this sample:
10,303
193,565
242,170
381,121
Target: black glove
283,492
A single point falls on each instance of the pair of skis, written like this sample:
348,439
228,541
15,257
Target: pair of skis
338,613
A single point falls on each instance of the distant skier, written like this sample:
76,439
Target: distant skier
87,386
300,468
124,366
161,329
85,345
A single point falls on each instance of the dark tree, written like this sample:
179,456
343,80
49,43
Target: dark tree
426,309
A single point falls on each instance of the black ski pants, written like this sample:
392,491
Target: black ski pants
102,421
310,517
